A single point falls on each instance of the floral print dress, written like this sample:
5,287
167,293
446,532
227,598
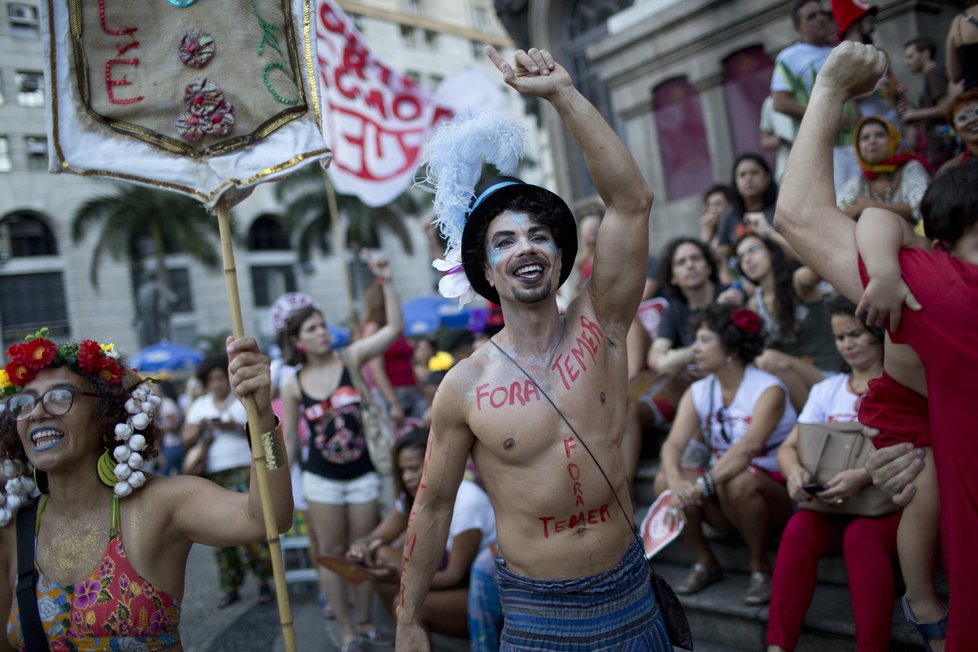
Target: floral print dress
114,608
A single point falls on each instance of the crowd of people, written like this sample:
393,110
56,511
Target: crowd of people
514,448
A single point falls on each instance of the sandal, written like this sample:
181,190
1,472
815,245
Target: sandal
229,598
928,631
698,578
758,590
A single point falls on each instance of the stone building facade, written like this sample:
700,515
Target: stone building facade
683,81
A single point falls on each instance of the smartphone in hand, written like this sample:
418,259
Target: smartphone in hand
813,487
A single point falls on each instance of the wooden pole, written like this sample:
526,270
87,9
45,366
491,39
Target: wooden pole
257,450
339,243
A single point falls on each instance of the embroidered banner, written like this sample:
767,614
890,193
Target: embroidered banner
378,119
198,96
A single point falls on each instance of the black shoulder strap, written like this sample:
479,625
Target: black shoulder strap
30,618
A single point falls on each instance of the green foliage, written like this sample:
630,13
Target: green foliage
308,221
124,220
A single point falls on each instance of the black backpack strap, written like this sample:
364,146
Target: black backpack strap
30,618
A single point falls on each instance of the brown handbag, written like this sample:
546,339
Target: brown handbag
825,449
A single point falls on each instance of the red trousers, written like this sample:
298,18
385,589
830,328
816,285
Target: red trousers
869,548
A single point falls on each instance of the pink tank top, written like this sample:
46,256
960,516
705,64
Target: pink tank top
114,608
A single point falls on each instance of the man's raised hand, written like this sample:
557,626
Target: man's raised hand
534,72
853,69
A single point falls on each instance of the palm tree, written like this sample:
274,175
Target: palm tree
309,223
135,221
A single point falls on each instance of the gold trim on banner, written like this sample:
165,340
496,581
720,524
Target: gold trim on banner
174,145
307,26
204,197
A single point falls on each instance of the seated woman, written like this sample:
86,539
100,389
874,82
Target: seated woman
744,414
111,542
472,528
800,350
892,177
867,544
752,209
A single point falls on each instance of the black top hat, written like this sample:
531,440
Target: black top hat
490,196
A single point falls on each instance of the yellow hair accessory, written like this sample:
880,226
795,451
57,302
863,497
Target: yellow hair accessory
441,361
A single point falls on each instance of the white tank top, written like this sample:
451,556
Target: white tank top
723,426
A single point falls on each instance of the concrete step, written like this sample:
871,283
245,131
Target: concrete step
718,615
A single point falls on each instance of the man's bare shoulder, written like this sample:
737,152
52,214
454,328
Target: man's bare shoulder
457,383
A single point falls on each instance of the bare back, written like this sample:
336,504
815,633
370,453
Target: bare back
555,514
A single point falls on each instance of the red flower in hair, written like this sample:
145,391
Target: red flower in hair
18,373
746,321
90,356
38,353
110,372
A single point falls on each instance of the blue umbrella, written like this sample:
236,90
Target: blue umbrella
424,315
165,356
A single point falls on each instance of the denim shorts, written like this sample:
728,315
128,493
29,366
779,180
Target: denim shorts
317,489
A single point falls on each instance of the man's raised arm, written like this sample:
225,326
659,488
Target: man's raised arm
623,247
807,214
427,531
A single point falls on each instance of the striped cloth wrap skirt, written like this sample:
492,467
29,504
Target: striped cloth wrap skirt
613,610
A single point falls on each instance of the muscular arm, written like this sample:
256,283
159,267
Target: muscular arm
767,412
616,284
807,215
448,448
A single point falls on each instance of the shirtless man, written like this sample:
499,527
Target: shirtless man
557,517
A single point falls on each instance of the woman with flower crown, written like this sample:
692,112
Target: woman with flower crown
743,414
110,541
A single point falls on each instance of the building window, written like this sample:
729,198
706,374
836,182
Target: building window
24,20
682,137
746,82
30,88
357,21
414,76
431,38
269,282
415,7
2,97
478,50
31,301
37,152
266,234
24,235
409,36
5,165
480,18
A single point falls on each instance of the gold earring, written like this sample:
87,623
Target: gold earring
106,469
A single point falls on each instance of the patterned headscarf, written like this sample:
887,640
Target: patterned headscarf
898,153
